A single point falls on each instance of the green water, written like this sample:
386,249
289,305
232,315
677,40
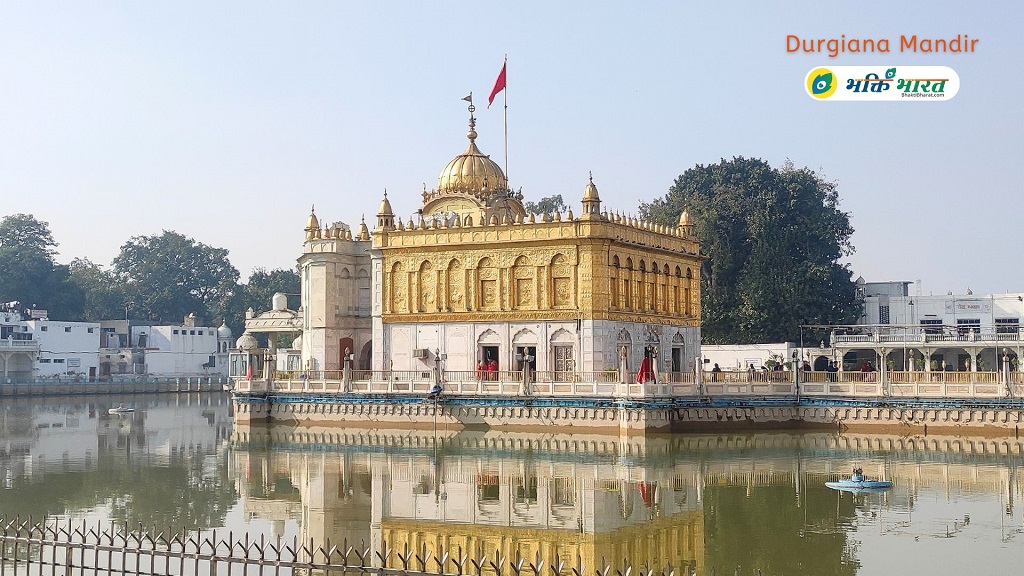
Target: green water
713,503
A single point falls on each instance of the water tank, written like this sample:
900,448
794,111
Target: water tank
280,301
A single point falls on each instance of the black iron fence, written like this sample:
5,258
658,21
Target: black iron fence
64,547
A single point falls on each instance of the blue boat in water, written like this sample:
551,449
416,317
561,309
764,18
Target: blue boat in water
858,483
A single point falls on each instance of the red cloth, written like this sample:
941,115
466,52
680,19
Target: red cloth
499,85
646,373
248,374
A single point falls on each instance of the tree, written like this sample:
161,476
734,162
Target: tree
25,231
546,205
169,276
104,296
28,271
773,239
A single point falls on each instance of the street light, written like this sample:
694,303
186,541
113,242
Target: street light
796,376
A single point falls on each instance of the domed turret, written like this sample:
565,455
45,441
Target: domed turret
312,225
224,332
385,215
591,201
684,222
684,218
362,233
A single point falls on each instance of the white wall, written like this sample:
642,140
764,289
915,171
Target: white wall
173,351
66,347
947,308
740,356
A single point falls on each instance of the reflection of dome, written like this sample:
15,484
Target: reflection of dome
247,342
471,172
223,331
297,343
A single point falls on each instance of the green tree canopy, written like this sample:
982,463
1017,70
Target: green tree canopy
546,205
169,276
28,272
773,239
25,231
105,298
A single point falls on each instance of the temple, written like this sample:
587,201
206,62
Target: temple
476,288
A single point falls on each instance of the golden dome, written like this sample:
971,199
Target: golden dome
363,233
385,206
590,191
684,218
312,224
471,172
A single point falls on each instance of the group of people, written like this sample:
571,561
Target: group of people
487,369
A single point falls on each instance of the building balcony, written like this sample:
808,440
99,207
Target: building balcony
11,344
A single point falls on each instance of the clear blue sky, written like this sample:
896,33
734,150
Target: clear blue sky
225,121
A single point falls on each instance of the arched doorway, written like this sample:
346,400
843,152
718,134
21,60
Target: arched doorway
366,356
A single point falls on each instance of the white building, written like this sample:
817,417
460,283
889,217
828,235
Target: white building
18,349
184,350
947,332
67,350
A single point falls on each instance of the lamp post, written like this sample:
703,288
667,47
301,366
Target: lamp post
1006,372
525,359
796,376
346,370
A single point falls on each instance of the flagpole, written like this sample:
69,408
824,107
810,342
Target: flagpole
505,95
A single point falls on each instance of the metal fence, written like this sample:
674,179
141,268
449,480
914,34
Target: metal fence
63,547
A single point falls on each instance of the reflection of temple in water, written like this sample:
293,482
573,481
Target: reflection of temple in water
649,501
476,503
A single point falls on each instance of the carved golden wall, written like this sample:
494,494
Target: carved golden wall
545,271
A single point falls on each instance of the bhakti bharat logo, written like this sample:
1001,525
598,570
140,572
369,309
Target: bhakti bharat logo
882,83
821,83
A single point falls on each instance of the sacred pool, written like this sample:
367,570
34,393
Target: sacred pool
705,503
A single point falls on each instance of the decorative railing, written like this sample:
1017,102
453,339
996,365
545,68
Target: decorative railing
11,344
607,383
919,336
65,547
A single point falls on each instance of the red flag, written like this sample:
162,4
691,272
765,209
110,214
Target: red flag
499,85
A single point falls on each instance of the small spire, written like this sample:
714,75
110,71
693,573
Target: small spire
472,120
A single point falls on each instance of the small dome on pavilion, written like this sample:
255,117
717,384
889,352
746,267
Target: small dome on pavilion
590,190
247,342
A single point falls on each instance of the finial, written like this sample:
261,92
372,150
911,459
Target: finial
590,173
362,218
472,120
312,208
386,191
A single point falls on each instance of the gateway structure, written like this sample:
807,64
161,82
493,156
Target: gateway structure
476,289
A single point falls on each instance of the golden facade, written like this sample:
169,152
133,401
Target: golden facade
477,279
